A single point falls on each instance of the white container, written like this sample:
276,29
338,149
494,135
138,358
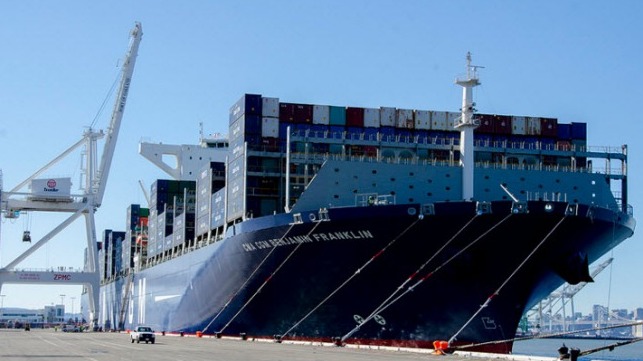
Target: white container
404,118
422,119
371,117
387,117
518,125
321,114
452,117
270,107
270,127
533,126
438,120
51,188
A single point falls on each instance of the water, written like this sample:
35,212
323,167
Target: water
549,348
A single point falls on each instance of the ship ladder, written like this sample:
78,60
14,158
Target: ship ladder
390,300
358,271
504,283
234,295
125,300
317,223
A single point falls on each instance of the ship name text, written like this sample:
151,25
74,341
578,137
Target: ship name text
307,238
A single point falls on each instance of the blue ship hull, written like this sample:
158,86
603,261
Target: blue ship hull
319,279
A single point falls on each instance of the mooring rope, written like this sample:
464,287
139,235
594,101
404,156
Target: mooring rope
270,277
234,295
358,271
543,336
384,306
497,291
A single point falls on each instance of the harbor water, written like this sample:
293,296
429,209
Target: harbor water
549,348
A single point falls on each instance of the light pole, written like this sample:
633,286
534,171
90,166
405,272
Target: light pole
72,306
2,306
62,302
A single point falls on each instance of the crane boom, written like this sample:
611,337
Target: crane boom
117,114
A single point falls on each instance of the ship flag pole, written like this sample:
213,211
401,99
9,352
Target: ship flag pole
466,124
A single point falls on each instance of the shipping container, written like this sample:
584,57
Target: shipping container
286,112
337,115
244,125
420,135
452,119
337,131
518,125
249,104
321,114
270,127
270,107
579,131
303,113
533,126
486,125
336,149
564,132
387,117
439,120
423,119
354,117
371,134
502,125
371,117
404,119
354,133
548,127
283,129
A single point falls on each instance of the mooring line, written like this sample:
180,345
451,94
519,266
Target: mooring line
234,295
417,283
269,277
351,277
543,336
497,291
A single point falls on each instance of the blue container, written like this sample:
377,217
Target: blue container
283,129
336,131
547,143
354,132
249,104
564,131
579,131
371,133
337,115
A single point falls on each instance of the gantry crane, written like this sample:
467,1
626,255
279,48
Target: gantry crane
13,202
564,294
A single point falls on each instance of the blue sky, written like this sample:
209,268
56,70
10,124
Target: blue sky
578,61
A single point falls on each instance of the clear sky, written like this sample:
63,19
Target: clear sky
578,61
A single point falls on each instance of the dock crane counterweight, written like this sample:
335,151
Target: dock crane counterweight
84,204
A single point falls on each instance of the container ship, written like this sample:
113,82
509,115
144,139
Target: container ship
352,225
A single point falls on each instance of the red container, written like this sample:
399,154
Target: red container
502,124
287,112
303,113
354,117
486,124
549,127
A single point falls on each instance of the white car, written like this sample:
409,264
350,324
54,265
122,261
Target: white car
142,333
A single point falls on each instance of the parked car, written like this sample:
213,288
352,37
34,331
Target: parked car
142,333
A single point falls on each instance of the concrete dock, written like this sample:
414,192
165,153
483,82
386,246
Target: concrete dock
20,345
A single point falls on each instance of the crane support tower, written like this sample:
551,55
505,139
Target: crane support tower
13,202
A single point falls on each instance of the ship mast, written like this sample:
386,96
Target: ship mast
466,124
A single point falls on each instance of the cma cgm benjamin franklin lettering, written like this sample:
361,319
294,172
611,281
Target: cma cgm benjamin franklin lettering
351,225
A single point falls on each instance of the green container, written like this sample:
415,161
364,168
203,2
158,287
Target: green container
337,115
